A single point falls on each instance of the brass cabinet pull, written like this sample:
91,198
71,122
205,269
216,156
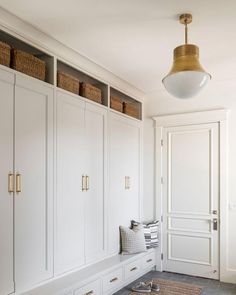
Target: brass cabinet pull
83,183
149,260
11,182
127,182
134,268
87,182
89,293
18,182
113,280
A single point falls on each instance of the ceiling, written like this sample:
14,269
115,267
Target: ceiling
134,39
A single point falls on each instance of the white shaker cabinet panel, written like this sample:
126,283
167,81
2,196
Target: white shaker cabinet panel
95,126
70,167
6,170
124,176
34,187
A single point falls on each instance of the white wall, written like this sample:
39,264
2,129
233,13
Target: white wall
218,94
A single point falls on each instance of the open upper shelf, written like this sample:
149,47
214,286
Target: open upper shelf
125,104
21,45
117,101
82,77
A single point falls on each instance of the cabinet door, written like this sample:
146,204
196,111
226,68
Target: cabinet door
124,161
6,167
69,214
95,126
34,199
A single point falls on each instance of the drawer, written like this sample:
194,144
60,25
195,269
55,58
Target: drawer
132,269
149,260
93,288
112,280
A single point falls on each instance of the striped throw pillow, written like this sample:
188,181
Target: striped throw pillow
150,232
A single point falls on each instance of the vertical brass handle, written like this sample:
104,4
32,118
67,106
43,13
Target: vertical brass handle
83,183
10,182
87,182
127,182
18,182
128,178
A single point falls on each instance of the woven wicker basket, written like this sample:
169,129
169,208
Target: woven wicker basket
5,54
131,109
28,64
91,92
67,82
116,103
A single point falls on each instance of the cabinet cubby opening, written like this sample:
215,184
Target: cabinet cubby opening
16,43
67,69
130,106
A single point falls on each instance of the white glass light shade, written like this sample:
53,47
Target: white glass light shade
185,84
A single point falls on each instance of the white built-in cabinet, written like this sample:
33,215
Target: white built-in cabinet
80,182
125,137
6,197
26,173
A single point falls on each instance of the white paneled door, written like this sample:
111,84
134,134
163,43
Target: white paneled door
6,185
33,191
190,200
124,173
95,128
69,213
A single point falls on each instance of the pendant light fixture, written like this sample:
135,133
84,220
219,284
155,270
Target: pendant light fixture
186,77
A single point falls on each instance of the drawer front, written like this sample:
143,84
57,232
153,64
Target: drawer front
132,268
148,260
112,280
93,288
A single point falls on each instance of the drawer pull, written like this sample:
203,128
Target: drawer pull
89,293
113,280
149,260
134,268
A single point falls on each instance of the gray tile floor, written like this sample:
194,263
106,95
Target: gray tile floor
210,287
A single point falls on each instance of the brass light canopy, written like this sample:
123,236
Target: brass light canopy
186,77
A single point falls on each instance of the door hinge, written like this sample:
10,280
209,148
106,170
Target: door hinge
162,256
162,142
162,180
162,218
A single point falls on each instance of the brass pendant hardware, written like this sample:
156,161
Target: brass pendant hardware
11,182
185,18
18,182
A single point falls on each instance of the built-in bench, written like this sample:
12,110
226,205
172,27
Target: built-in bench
102,278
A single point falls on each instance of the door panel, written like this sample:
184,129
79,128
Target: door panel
70,214
190,194
33,205
6,198
124,161
95,126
